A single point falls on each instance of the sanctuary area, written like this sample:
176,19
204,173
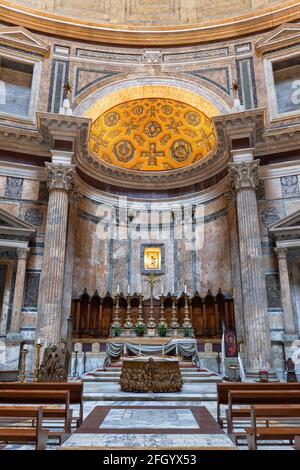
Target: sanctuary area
149,224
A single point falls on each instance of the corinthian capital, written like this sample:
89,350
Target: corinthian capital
60,176
244,175
22,253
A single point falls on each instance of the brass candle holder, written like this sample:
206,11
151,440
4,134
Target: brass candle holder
174,321
128,323
140,320
162,320
38,346
116,322
23,353
187,320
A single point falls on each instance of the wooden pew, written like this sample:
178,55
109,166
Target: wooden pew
37,434
297,442
274,432
75,389
256,397
46,398
224,387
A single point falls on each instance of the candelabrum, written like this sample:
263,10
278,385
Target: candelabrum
38,347
151,321
140,320
162,320
116,322
187,320
174,321
22,364
128,323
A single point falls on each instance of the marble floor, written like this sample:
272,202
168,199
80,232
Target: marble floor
149,440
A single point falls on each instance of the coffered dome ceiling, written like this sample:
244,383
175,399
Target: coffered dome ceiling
152,134
149,12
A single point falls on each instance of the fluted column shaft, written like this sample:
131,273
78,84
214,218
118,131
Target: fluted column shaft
286,298
15,324
70,258
60,181
257,335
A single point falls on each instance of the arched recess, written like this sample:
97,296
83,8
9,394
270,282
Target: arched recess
119,90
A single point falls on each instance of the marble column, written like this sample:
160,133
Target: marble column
60,182
244,177
235,266
15,324
286,298
70,259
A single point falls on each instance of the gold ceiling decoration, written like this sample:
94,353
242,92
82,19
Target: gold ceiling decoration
152,134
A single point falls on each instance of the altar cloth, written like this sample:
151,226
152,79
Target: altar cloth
185,347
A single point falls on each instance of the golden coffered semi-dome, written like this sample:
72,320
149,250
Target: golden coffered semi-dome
149,22
152,134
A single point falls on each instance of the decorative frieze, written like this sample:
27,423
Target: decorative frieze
289,185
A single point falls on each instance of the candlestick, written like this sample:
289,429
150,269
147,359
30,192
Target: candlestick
116,322
38,347
174,322
162,320
128,323
187,321
140,320
22,365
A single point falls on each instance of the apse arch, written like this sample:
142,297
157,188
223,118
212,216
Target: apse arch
126,88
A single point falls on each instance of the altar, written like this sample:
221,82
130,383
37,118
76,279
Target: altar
151,375
151,347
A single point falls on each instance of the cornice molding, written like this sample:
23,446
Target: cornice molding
285,35
249,23
19,38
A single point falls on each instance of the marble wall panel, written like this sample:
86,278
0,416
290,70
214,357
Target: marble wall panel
14,187
213,260
273,188
30,189
2,185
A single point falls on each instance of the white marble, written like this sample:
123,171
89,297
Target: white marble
167,441
149,419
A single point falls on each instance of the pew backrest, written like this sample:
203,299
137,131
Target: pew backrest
13,396
75,389
223,389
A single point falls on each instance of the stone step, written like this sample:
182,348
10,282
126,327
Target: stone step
190,380
168,397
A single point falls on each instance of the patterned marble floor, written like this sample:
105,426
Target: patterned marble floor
150,440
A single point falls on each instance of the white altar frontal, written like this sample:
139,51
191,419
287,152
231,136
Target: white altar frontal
182,348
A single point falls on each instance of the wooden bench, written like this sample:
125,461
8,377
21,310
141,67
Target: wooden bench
256,397
277,431
37,434
224,387
297,442
45,398
75,389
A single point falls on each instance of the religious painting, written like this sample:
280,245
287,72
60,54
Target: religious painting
152,259
230,339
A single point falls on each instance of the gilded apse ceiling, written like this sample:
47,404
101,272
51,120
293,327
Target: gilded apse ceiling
152,134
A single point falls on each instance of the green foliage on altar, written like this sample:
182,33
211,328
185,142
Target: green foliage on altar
162,330
187,332
115,331
140,329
